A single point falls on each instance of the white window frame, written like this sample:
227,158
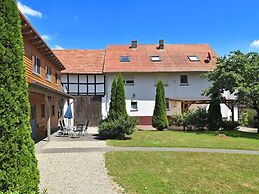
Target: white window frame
155,58
184,83
125,56
129,82
36,65
133,109
48,73
193,58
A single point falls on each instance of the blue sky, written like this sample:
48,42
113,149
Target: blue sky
93,24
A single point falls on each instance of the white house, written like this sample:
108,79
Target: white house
179,66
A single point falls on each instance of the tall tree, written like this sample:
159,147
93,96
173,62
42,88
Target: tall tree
159,119
18,165
238,74
214,114
113,100
120,98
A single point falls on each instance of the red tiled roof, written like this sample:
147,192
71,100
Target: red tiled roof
81,61
173,58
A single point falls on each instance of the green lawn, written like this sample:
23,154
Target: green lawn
231,140
171,172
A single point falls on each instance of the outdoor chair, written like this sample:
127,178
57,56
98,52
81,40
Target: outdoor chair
85,127
64,130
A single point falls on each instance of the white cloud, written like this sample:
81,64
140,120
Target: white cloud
46,37
255,44
58,47
28,11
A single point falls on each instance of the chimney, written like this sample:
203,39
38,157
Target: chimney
161,45
134,44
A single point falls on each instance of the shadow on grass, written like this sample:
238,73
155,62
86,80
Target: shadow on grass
98,137
229,133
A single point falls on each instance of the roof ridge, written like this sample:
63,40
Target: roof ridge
78,49
195,44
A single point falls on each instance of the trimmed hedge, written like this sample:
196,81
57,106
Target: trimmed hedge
230,125
18,164
118,128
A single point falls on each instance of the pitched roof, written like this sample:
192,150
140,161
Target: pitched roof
174,58
81,61
29,32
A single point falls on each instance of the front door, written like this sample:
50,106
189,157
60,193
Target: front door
33,121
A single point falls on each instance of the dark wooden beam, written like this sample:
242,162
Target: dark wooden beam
32,37
30,31
40,46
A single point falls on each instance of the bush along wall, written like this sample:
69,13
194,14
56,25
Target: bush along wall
118,123
18,165
159,119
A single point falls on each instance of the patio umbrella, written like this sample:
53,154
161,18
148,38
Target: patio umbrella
68,115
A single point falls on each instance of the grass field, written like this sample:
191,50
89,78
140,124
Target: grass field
170,172
210,139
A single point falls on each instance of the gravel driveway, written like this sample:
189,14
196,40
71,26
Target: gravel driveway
74,173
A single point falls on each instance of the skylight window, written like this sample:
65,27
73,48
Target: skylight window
193,58
155,58
124,59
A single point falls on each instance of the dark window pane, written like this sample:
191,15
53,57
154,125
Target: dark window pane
42,110
183,79
124,59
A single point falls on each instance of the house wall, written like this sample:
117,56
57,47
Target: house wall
38,98
144,90
31,76
41,122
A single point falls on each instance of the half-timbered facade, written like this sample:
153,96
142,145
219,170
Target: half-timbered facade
84,79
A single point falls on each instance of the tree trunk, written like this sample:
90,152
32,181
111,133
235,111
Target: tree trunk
257,116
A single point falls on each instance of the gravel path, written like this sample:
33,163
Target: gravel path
76,165
73,172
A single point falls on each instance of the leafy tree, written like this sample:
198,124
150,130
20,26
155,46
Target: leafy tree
238,74
159,119
18,165
214,115
120,98
112,107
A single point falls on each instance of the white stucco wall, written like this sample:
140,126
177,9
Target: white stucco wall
144,90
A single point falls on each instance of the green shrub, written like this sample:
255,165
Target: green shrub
18,164
200,118
117,129
251,114
197,118
230,125
244,119
159,119
247,118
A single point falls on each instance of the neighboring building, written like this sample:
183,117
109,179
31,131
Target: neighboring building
179,66
90,73
43,71
84,79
